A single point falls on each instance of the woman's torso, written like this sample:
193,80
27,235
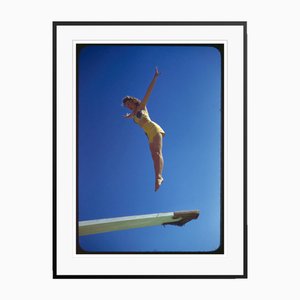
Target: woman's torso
142,118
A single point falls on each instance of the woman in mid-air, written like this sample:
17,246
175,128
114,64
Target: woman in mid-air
153,131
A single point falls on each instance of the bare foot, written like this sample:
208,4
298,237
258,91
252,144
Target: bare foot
158,183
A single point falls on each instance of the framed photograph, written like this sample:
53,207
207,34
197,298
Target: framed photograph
149,150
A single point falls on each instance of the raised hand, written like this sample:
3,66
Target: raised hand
157,73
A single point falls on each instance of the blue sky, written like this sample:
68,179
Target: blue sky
115,170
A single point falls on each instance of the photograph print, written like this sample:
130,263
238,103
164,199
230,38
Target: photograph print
150,139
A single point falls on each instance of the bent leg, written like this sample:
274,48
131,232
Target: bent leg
158,161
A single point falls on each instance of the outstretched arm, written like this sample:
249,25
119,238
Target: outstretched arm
133,113
149,90
129,116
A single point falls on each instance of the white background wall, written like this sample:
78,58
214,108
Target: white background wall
26,153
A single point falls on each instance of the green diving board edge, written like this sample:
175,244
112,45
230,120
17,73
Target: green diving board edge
178,218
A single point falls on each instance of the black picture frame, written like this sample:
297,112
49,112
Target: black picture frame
58,275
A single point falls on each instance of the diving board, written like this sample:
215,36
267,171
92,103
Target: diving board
178,218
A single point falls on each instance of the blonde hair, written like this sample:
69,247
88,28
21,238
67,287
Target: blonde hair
134,100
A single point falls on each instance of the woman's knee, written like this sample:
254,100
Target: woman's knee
156,153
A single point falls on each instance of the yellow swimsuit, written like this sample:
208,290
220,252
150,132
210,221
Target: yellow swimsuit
151,128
